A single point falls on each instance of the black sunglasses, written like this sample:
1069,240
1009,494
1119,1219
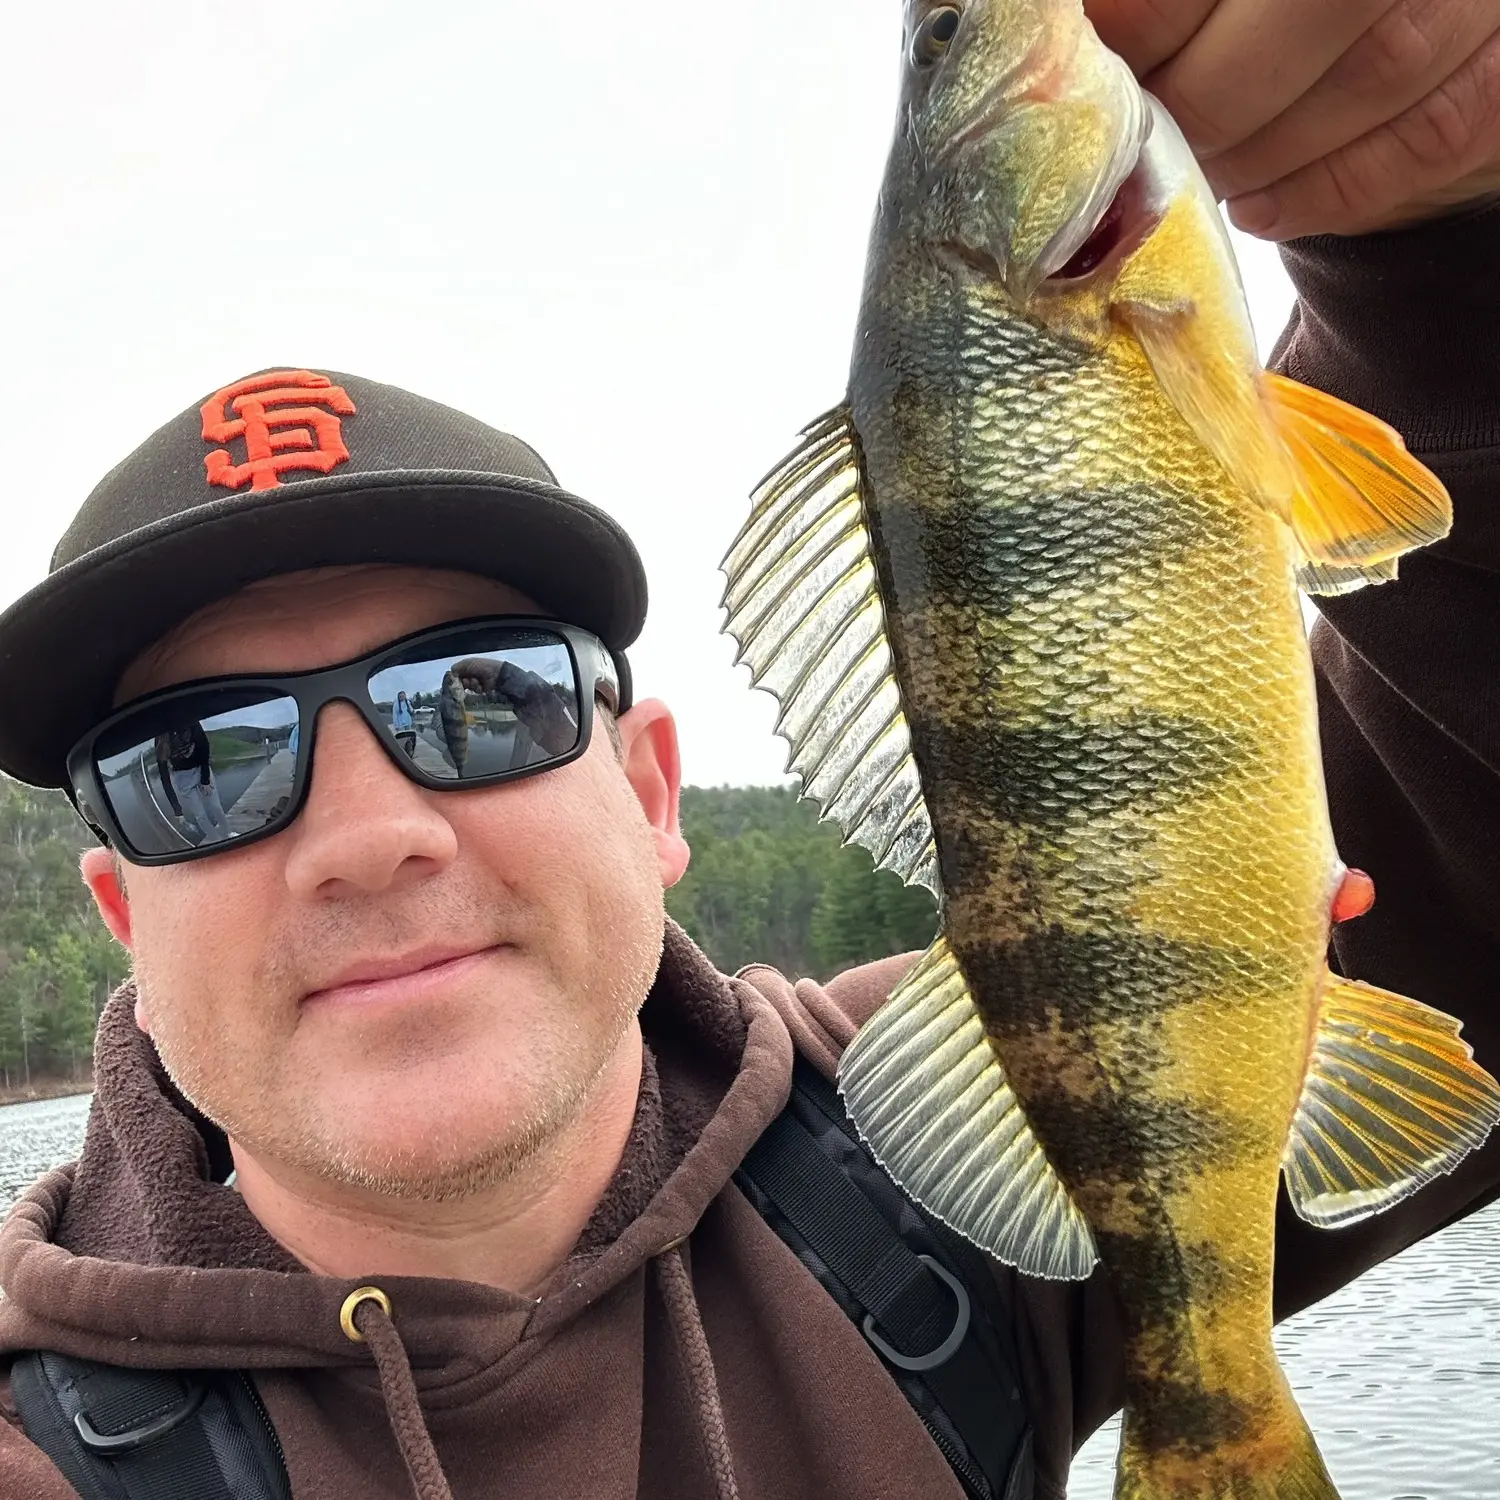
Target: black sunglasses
221,762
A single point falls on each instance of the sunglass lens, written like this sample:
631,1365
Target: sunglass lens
198,771
498,699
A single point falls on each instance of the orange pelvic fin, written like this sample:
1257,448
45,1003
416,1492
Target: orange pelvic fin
1355,896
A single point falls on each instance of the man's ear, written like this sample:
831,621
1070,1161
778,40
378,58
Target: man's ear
101,874
653,767
104,875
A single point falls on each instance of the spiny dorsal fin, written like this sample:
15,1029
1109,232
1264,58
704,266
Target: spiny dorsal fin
805,610
926,1091
1393,1099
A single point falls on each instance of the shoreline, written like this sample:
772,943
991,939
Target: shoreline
49,1088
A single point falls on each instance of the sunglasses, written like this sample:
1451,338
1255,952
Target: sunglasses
221,762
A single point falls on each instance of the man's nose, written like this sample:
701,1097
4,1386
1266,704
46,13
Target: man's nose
365,827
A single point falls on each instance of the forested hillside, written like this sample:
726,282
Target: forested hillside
767,882
57,963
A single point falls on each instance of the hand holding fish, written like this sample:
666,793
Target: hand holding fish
1325,116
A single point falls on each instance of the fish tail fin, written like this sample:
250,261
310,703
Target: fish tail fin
1282,1463
1360,499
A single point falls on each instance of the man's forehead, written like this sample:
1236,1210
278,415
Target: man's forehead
297,621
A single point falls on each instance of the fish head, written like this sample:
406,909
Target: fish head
1020,130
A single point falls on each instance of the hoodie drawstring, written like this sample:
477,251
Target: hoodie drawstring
366,1318
676,1284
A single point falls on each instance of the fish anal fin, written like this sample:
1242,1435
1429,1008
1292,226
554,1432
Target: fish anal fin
925,1089
1393,1100
1361,499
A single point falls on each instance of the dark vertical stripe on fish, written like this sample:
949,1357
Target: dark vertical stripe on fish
1063,771
995,554
1124,974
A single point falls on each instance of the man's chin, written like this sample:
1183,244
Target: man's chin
414,1176
421,1141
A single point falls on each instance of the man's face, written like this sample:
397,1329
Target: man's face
531,914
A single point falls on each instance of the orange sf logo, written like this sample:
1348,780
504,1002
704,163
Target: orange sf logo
282,419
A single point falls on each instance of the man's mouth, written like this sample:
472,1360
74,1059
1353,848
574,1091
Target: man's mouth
400,976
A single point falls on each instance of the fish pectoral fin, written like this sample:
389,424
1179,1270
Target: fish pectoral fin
1361,499
1319,578
925,1089
1393,1099
805,610
1211,379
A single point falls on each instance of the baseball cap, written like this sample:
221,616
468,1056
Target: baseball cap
283,470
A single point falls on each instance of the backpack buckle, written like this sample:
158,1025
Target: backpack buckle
112,1443
944,1351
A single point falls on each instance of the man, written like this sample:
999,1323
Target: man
419,1110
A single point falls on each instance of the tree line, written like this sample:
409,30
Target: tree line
57,962
767,883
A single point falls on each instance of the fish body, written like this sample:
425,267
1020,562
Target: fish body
1103,668
1028,602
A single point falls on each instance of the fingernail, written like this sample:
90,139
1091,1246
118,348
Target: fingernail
1255,213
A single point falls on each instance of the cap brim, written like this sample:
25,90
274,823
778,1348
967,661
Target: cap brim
66,642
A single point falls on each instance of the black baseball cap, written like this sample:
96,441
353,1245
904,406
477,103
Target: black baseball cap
284,470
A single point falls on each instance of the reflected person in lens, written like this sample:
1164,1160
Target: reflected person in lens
185,766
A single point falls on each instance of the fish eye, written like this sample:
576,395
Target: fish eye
937,30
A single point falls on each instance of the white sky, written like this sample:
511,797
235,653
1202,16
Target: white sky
632,235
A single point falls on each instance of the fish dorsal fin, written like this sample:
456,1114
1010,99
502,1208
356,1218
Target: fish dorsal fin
1393,1099
805,610
1361,499
924,1086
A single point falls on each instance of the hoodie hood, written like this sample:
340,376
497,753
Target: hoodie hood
137,1254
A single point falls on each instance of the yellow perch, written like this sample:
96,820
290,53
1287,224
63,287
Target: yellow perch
1028,600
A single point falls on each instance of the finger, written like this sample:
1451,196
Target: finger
1401,59
1147,32
1443,150
1252,59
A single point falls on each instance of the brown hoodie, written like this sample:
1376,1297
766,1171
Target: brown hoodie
683,1351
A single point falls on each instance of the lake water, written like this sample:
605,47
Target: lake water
1399,1374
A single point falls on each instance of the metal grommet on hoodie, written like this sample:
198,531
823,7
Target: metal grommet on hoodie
351,1304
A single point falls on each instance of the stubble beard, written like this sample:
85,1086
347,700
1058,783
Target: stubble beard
262,1123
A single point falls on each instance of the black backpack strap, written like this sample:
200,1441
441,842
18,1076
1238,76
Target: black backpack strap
126,1434
924,1299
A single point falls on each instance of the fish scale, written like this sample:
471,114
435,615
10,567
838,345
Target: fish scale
1027,602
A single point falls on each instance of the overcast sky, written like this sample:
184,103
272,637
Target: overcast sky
631,234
